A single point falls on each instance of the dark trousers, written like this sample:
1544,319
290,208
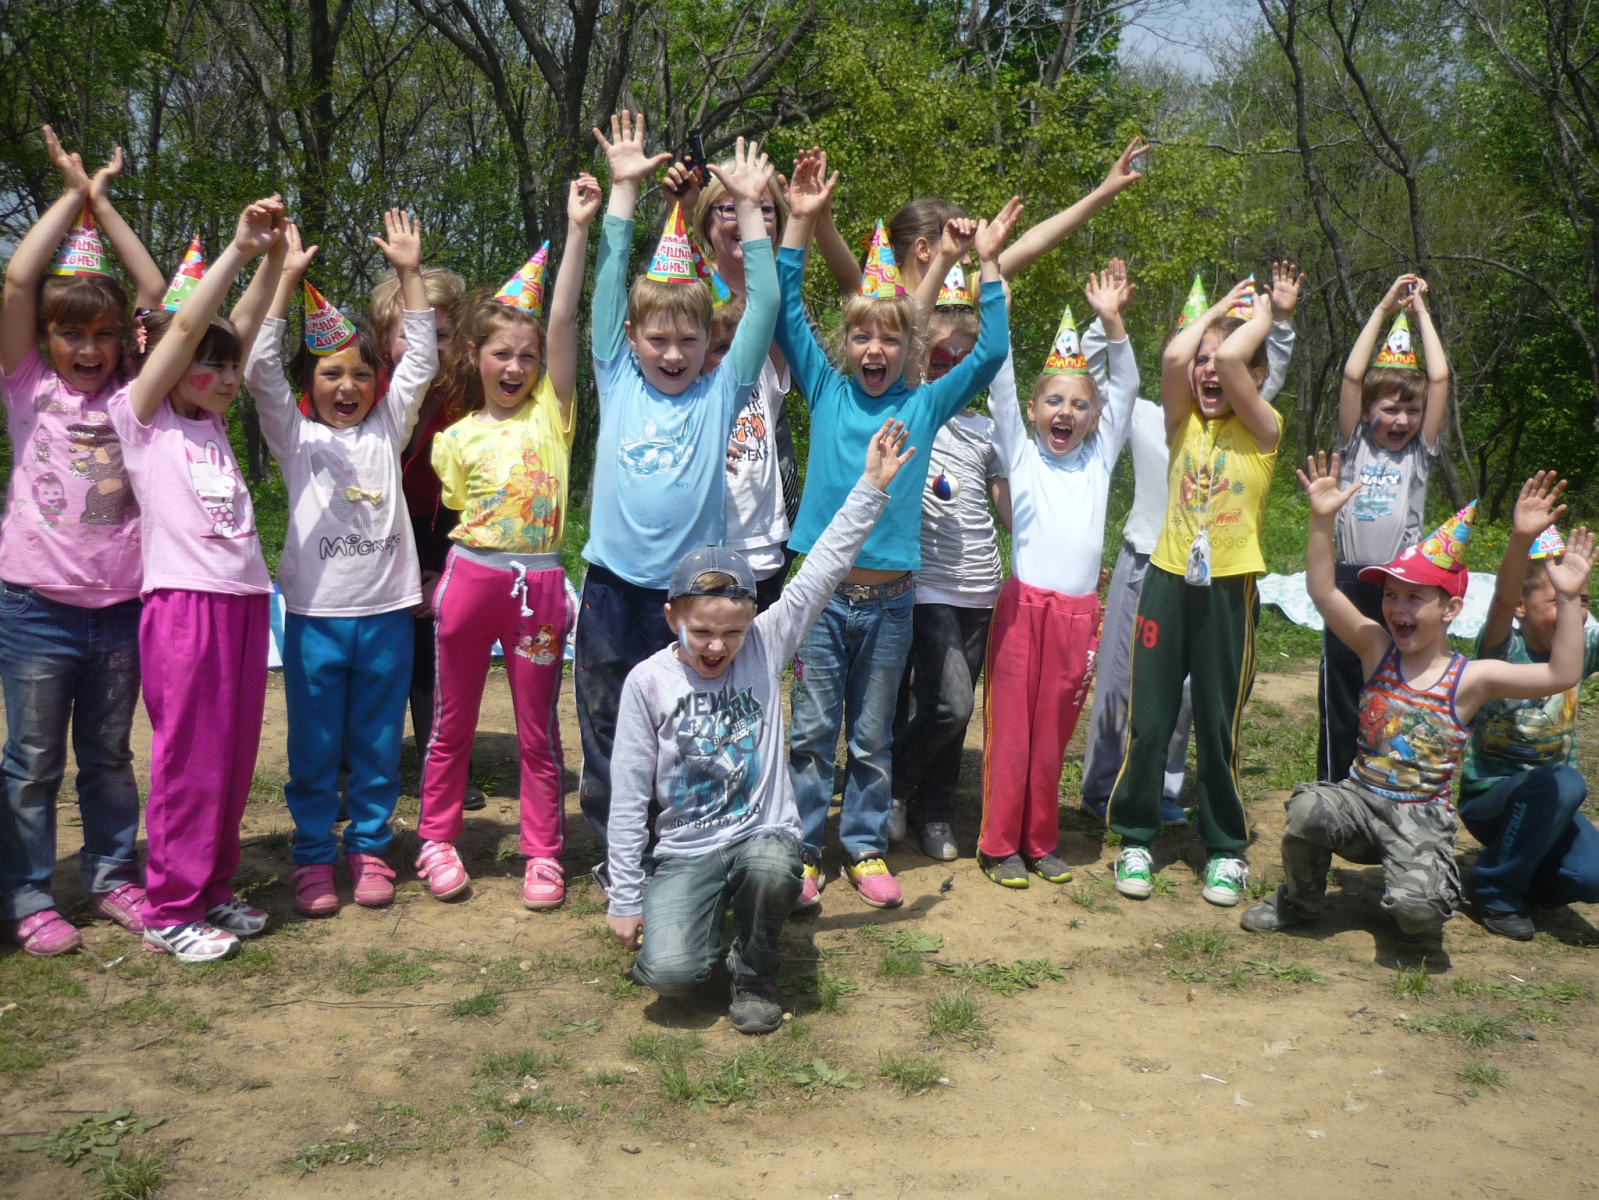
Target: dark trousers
1536,844
619,625
1342,678
432,548
1206,635
936,699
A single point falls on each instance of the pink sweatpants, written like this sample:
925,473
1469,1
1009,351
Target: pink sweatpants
1040,654
204,661
473,607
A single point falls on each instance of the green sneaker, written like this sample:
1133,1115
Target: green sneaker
1051,867
1133,873
1225,877
1007,872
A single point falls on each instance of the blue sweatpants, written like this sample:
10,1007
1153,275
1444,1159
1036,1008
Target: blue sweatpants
347,680
1536,845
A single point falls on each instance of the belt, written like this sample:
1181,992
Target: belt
876,591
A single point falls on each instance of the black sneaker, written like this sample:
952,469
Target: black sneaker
1051,867
475,800
755,1008
1271,915
1517,926
1008,872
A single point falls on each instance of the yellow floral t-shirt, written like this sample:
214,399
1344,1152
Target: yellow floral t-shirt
508,479
1218,480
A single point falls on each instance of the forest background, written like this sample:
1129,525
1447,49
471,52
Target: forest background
1360,138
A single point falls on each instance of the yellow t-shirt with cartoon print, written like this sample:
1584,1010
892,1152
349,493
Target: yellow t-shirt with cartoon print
1218,480
508,479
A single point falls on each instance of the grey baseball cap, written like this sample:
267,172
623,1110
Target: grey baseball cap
685,580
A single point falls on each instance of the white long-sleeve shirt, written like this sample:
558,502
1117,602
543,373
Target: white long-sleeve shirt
1058,501
349,551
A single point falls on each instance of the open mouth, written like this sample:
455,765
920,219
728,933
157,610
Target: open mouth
1060,436
510,389
346,408
873,377
88,372
712,664
1210,394
1403,631
672,373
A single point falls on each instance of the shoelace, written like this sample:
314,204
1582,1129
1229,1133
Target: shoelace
871,866
1136,858
519,587
1230,870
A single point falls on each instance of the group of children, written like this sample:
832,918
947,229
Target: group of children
129,557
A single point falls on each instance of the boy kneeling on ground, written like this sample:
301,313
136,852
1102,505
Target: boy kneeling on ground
1415,717
700,729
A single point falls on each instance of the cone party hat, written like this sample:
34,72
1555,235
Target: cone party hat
1244,307
1196,305
954,292
525,289
1445,547
190,271
1398,351
1548,544
881,279
82,253
327,330
674,253
1066,355
720,292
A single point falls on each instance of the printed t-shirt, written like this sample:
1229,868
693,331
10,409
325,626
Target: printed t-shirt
1385,516
757,523
1218,480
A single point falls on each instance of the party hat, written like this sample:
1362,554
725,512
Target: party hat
1397,350
954,292
720,292
1446,546
82,252
525,289
674,253
1196,306
1244,307
881,280
1066,355
1549,544
190,271
1440,561
327,330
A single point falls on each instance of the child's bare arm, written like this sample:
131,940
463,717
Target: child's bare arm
296,262
1052,231
810,193
630,166
1176,389
1238,385
31,259
1432,346
254,306
1537,508
1360,633
149,284
582,204
1360,357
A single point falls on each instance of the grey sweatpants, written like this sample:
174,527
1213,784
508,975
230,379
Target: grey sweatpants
1113,688
1413,843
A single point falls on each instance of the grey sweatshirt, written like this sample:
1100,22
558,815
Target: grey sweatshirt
711,751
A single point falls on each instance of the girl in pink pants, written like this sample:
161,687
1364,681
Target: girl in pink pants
504,466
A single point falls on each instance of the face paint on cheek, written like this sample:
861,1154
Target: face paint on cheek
201,380
682,640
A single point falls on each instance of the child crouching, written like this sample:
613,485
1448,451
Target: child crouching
700,731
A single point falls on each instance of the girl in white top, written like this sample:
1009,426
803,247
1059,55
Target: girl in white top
349,572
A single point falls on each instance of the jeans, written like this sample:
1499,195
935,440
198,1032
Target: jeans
346,681
848,669
1536,844
948,646
685,902
63,665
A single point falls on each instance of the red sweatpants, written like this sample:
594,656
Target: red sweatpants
1040,657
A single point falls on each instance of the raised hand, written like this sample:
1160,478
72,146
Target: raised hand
73,175
811,189
1570,574
583,200
100,185
1538,506
1108,292
957,238
1320,482
992,235
750,174
259,226
883,457
682,185
1122,175
1415,302
1393,299
403,248
1242,288
297,259
1287,282
625,149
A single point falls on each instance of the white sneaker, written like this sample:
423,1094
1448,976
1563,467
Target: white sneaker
1225,878
194,942
1133,873
896,820
238,918
938,841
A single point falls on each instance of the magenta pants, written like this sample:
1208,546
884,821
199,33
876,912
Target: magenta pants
204,659
474,606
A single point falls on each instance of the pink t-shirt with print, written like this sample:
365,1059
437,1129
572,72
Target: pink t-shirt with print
199,524
71,526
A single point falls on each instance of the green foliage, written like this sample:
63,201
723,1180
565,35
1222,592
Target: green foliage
1411,981
913,1074
1474,1029
483,1003
1009,978
816,1074
518,1064
382,969
136,1177
1482,1075
91,1134
955,1017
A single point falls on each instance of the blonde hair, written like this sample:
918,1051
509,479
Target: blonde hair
444,289
951,319
715,193
726,318
1094,397
899,313
654,298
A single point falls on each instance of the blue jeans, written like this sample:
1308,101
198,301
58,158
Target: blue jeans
346,681
686,900
1536,845
848,669
63,665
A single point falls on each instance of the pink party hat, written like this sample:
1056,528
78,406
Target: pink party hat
327,330
674,253
525,289
190,271
82,253
881,280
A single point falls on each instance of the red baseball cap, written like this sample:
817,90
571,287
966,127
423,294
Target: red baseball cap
1415,567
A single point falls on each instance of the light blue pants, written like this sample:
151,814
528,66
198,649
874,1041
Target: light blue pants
347,680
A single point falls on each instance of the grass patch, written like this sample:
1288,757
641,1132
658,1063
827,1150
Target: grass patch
913,1074
1283,972
955,1017
518,1064
1009,978
1185,944
812,1076
581,899
1482,1075
381,969
1563,992
1092,896
831,989
341,1152
1276,752
902,950
656,1047
1163,884
1411,981
90,1134
1474,1029
483,1003
136,1177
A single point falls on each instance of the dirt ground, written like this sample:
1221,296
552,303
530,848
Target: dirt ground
476,1049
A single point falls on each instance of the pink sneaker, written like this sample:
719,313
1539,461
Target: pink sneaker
440,865
125,906
314,893
810,897
46,934
873,881
544,885
373,879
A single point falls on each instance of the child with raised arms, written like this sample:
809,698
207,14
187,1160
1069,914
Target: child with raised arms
348,570
660,466
848,670
69,561
1416,714
700,738
204,630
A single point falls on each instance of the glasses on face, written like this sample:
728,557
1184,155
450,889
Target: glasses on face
728,212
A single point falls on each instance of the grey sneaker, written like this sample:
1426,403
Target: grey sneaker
938,841
1052,867
896,819
1271,915
755,1008
1007,872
